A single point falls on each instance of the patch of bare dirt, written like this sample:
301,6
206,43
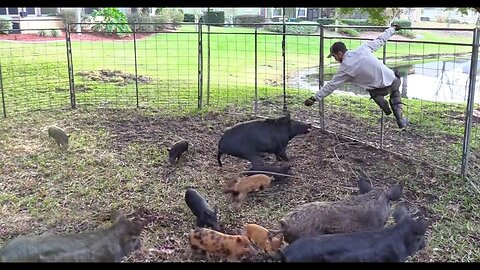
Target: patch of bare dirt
118,77
323,166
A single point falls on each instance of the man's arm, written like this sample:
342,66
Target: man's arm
373,45
333,84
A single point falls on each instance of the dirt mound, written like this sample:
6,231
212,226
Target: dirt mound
118,77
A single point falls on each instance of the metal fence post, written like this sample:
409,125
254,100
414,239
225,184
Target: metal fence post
321,104
200,65
284,59
470,103
135,56
382,120
208,61
1,88
256,72
71,81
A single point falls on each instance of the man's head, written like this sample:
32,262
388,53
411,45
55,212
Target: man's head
337,50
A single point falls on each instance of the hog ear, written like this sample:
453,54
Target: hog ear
363,185
239,239
394,193
420,227
116,215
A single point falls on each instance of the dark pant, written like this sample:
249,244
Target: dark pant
395,101
378,95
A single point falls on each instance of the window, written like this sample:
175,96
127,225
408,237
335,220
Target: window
12,11
89,11
30,10
301,12
277,12
48,11
9,11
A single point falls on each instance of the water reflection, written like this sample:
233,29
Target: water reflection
445,81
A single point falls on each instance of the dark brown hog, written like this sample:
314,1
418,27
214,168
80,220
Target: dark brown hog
392,244
176,151
250,140
368,210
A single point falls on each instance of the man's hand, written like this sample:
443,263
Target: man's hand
397,27
309,101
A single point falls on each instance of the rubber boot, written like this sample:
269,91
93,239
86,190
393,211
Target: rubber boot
382,103
397,108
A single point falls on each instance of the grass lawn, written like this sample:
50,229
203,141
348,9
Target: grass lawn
35,75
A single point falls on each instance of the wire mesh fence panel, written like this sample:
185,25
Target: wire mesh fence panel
433,92
473,165
269,72
349,109
167,66
103,67
229,75
34,67
261,66
302,68
473,168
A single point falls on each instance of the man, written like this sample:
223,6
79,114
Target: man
361,67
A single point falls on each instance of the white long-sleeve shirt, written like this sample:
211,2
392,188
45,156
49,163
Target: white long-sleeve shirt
361,67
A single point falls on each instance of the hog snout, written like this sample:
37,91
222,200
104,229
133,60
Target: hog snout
302,128
309,128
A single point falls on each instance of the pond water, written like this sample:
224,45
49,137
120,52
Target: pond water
445,81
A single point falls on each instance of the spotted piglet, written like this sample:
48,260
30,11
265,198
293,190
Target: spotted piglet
210,242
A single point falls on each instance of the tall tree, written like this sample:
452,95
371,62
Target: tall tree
380,16
377,16
464,11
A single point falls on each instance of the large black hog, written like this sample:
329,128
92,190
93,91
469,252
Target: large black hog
392,244
206,217
368,210
250,140
105,245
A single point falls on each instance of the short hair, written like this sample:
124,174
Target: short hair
337,47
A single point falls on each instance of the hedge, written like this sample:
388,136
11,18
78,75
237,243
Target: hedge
250,19
188,17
